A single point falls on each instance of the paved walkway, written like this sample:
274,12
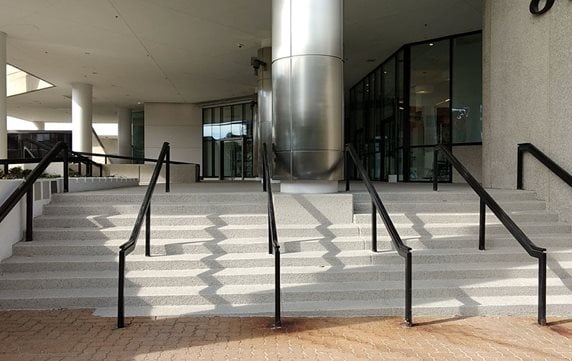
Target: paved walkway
73,335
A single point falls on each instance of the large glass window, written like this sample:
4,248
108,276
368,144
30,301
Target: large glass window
425,94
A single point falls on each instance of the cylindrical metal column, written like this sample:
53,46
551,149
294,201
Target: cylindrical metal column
307,78
123,134
81,117
3,95
264,116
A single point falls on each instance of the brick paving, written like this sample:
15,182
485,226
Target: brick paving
71,335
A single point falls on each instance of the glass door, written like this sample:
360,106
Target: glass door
232,159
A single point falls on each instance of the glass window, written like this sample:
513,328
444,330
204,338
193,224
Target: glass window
237,121
429,93
467,89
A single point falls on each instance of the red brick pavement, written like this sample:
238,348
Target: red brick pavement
71,335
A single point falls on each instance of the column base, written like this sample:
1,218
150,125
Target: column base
305,187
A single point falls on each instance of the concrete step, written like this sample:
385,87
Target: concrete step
260,245
128,220
450,207
264,293
194,232
457,228
445,196
156,209
415,219
317,258
161,198
422,274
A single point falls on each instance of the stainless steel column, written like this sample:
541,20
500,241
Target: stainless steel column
307,73
264,101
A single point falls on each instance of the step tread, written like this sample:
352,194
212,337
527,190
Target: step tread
241,256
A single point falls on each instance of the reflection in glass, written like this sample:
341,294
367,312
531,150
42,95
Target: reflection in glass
224,124
429,94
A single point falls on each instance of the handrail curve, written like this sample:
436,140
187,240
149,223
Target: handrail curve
27,187
273,245
144,214
542,158
486,200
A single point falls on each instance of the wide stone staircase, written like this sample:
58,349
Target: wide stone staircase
210,255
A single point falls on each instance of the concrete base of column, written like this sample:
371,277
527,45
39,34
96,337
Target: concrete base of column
305,187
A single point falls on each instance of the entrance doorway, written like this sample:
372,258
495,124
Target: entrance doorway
232,159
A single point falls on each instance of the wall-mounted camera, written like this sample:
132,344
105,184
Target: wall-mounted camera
256,64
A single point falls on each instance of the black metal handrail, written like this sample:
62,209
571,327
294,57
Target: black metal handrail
144,213
542,158
377,206
27,187
115,156
273,245
487,201
74,157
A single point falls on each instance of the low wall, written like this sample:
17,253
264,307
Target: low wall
12,228
98,183
180,173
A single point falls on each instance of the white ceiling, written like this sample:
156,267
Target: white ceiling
136,51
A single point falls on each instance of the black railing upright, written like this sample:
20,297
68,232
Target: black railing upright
378,207
542,158
273,246
27,187
487,201
144,214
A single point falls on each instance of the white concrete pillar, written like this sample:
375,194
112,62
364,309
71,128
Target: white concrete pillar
3,104
81,117
123,134
40,125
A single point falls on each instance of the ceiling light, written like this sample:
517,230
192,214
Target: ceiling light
431,44
423,89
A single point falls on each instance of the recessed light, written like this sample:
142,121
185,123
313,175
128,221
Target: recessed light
431,44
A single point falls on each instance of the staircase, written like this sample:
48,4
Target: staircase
210,256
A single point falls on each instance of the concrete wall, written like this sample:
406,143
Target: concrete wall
527,95
179,124
471,157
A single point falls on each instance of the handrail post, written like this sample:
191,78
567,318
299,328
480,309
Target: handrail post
408,291
29,214
168,170
120,291
347,169
264,187
277,318
148,231
519,160
66,170
435,170
542,289
270,247
373,227
482,224
6,168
